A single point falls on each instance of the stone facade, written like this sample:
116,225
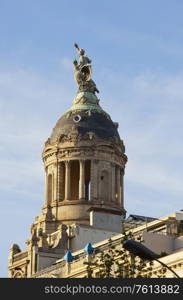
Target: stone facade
159,235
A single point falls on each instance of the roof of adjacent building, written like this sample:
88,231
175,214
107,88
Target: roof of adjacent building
139,218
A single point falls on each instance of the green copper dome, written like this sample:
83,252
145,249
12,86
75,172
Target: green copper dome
86,101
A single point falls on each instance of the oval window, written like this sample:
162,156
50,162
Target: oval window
76,118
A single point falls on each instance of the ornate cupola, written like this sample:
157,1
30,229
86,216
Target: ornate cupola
84,157
84,163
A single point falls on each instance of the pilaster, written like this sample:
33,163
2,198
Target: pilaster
94,179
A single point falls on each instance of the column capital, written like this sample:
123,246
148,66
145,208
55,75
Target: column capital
82,161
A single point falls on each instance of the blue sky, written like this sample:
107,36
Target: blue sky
136,48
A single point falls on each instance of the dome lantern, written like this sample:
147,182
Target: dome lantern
84,157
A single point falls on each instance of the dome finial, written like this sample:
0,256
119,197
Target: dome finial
83,72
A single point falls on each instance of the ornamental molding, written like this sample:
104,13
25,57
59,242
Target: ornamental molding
18,274
85,153
74,138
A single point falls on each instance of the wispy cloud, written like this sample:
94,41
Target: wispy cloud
149,107
28,105
66,63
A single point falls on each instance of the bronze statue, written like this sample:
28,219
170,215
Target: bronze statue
84,60
83,71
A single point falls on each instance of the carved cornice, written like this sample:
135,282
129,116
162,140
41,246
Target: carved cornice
20,256
97,153
77,143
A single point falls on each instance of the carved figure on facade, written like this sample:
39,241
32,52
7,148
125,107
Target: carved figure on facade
15,249
49,216
83,72
73,136
91,135
34,239
61,239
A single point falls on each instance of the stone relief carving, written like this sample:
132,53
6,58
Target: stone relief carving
71,137
74,136
91,135
19,274
49,216
61,239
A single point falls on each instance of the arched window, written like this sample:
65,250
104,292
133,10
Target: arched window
74,180
61,181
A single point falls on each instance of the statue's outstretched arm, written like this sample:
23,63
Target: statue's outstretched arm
77,48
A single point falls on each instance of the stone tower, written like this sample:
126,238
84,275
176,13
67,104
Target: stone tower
84,164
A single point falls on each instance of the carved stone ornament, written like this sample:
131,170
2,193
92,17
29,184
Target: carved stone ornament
18,274
71,137
49,216
34,239
88,136
15,249
74,136
61,239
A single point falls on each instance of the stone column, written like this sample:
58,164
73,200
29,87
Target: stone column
82,179
45,187
118,185
67,180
